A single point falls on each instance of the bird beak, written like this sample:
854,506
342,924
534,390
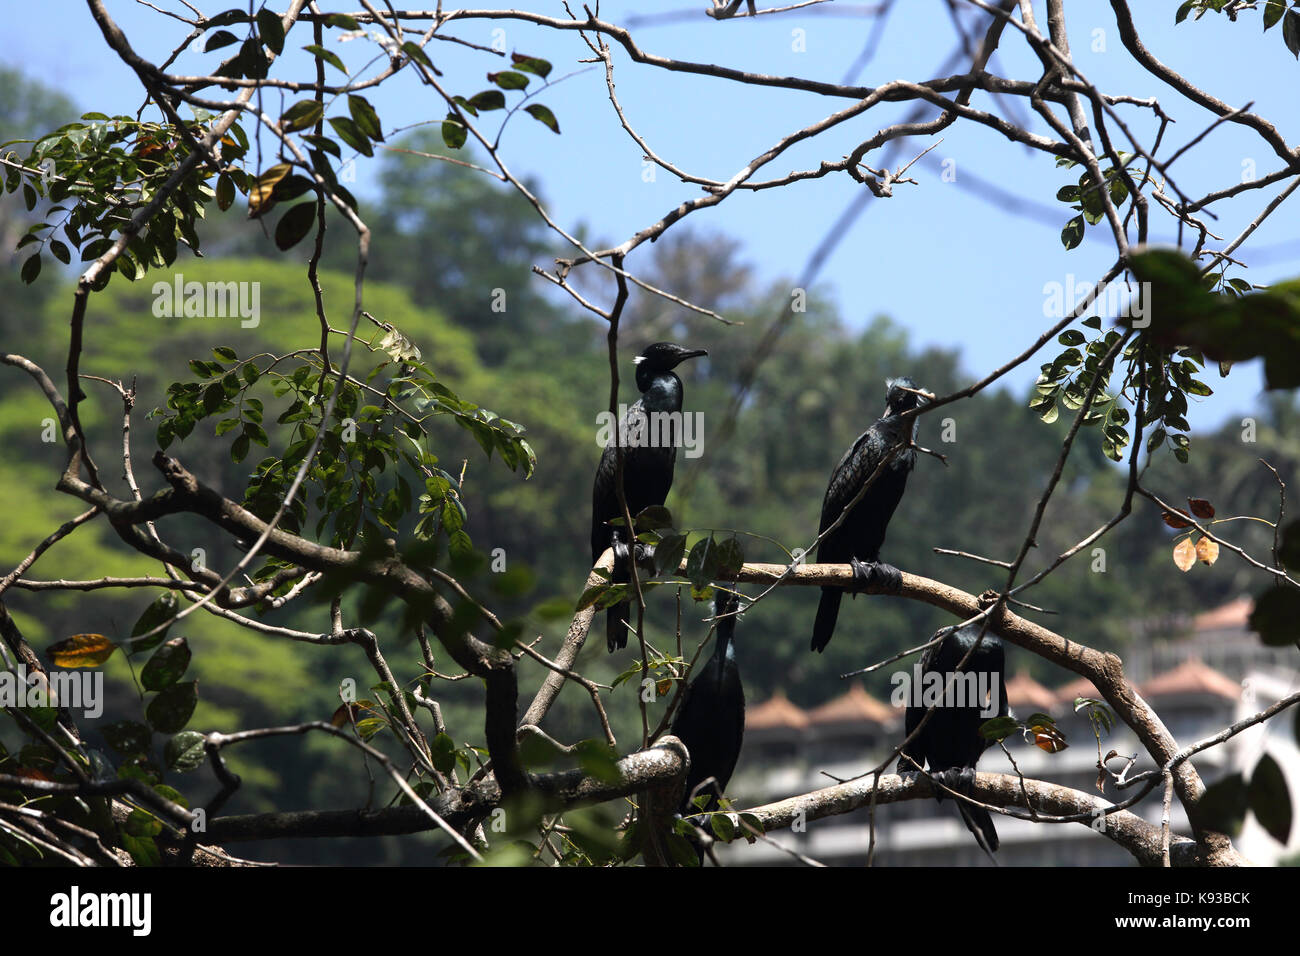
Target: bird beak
928,396
691,353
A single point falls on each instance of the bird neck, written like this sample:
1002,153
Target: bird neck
725,650
660,391
894,429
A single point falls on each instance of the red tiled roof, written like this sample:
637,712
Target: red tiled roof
1025,692
1192,676
1234,614
855,706
776,711
1080,687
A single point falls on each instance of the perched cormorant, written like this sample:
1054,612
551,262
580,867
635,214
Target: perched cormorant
950,742
711,718
649,457
857,541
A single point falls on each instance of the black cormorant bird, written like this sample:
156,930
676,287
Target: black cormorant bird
711,718
857,541
647,470
950,742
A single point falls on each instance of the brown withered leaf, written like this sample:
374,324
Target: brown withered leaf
1047,737
1172,519
1184,554
1207,551
340,716
1049,740
664,686
1201,508
264,185
82,650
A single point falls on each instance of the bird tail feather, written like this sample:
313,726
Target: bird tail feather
980,823
615,629
828,610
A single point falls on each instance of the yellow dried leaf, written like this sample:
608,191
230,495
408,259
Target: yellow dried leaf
82,650
264,186
1049,742
1207,551
1184,554
341,717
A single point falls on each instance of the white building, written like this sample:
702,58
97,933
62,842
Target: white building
1204,674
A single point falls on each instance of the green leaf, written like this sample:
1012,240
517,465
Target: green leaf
31,269
1072,234
1276,617
328,56
544,116
1269,799
508,80
342,20
453,132
598,760
488,100
366,118
167,665
1071,337
351,134
171,710
162,609
185,752
225,192
999,728
723,827
702,562
251,60
219,39
1291,31
592,595
668,553
303,114
413,50
143,850
531,64
294,225
141,823
1223,805
271,30
128,737
653,518
1273,11
239,449
731,557
443,751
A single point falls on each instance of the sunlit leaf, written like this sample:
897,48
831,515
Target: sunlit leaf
82,650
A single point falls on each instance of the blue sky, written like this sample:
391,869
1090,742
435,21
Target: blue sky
951,268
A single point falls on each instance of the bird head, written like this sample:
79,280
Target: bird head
664,357
902,395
